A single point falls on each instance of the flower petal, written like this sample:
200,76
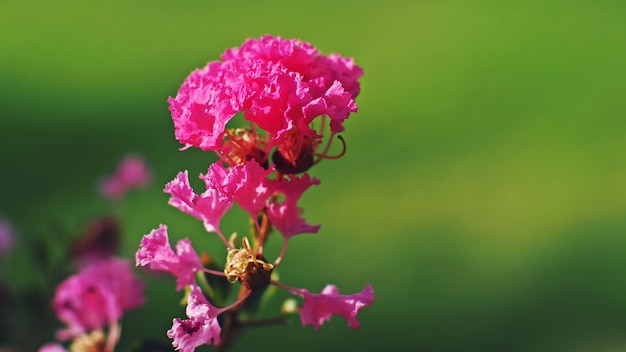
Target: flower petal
202,327
318,308
155,251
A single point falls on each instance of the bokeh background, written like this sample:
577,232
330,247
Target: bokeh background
483,194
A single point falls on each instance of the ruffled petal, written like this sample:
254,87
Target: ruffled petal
155,251
318,308
202,327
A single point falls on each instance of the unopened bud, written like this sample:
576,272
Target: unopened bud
290,306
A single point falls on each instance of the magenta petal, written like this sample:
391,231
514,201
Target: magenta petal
202,327
340,104
202,108
155,251
327,69
183,196
246,183
286,216
318,308
209,207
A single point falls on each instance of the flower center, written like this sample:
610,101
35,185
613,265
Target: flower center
241,145
245,266
295,154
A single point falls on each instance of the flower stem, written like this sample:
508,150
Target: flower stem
231,321
263,229
282,252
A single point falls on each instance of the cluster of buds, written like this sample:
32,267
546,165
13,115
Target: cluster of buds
290,95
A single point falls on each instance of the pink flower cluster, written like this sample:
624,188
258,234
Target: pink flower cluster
279,84
289,93
96,297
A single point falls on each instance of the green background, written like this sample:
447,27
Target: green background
483,194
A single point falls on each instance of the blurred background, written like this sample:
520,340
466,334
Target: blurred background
483,194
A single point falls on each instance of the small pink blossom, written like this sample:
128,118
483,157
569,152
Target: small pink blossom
98,295
132,172
155,251
291,95
7,236
202,326
246,183
208,206
318,308
286,216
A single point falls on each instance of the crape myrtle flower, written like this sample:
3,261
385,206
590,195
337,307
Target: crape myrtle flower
295,101
156,252
132,172
280,85
202,327
97,297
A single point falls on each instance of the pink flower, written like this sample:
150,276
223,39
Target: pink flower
285,216
278,84
318,308
202,326
291,95
208,206
246,183
155,251
7,236
132,172
98,295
